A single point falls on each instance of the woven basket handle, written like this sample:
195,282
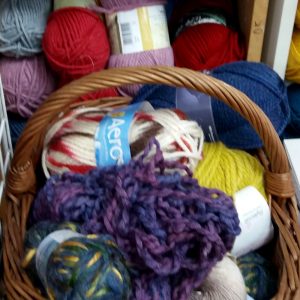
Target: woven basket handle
28,149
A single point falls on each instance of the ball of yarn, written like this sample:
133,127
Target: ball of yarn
85,267
168,227
16,126
22,24
259,82
224,282
163,56
27,82
34,237
293,127
82,46
70,143
260,276
292,72
229,170
206,46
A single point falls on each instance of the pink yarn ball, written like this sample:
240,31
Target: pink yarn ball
27,82
157,57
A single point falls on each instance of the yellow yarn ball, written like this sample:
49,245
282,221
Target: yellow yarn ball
293,64
229,170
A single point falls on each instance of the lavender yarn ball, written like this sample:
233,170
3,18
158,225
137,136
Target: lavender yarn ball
167,226
22,24
27,82
155,57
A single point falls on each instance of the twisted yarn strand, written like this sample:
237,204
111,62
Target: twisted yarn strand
171,230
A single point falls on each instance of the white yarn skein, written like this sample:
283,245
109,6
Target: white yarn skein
225,282
178,138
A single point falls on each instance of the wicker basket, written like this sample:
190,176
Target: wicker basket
21,180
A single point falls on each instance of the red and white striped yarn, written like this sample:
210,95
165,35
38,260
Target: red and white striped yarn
70,145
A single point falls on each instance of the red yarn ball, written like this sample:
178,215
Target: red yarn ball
206,46
75,43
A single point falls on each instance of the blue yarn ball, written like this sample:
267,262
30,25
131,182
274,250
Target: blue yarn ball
22,24
260,276
34,237
83,267
259,82
16,126
88,268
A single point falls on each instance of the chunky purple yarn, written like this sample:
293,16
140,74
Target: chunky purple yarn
172,230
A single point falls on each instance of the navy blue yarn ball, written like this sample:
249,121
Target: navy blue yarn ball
259,82
16,126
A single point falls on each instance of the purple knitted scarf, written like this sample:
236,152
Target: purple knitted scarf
172,230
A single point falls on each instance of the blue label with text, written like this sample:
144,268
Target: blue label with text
111,138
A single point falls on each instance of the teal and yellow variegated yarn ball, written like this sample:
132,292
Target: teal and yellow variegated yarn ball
260,276
83,267
89,267
34,237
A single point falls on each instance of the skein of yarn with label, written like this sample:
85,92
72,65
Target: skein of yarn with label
169,228
34,237
229,170
79,267
82,46
70,143
224,282
259,82
27,82
152,56
22,24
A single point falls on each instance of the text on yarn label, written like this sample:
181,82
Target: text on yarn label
255,221
137,30
112,145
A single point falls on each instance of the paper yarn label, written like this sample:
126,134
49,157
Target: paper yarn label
197,106
47,246
137,30
202,17
72,3
255,221
112,135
